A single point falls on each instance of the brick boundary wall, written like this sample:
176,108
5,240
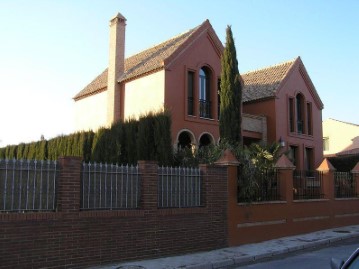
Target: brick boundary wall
71,238
256,222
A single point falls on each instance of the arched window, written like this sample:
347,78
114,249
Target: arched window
206,140
185,140
204,93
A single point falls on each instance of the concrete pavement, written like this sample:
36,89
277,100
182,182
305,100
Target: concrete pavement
228,257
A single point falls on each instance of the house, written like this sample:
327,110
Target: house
340,138
182,74
286,96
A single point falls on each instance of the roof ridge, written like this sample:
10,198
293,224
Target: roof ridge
165,41
270,66
350,123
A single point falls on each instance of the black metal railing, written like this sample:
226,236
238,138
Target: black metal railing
345,185
300,127
262,187
307,185
205,109
190,110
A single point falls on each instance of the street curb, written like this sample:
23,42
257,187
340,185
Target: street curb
237,261
233,257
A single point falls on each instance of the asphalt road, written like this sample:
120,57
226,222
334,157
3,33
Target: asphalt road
311,258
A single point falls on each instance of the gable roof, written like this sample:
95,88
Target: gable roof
266,82
149,60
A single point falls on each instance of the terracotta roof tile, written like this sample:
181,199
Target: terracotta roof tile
139,64
264,83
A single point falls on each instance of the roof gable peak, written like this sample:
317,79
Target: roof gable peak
264,83
203,28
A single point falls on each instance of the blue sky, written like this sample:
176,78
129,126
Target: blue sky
50,50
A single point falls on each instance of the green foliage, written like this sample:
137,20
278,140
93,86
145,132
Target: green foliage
130,141
41,150
163,138
203,155
230,94
100,145
263,157
20,151
125,142
2,153
11,151
257,161
146,139
86,142
256,164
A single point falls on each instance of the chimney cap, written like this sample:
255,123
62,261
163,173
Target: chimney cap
118,16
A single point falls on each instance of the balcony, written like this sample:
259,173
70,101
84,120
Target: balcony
205,109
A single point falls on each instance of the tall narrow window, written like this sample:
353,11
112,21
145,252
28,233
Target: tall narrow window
204,93
300,113
202,84
190,87
291,114
309,119
219,98
309,159
293,155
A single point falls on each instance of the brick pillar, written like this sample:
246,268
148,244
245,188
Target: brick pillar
214,188
328,179
149,177
229,161
355,173
285,168
148,171
69,184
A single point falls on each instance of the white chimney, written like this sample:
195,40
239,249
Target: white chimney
116,66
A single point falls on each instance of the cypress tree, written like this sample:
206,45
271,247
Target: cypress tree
32,151
2,153
87,145
117,140
26,151
163,139
69,142
41,150
230,94
20,151
145,138
50,149
98,145
129,141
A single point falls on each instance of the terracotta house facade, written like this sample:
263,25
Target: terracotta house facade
182,74
285,94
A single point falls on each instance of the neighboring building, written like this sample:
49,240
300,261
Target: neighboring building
286,96
182,74
340,138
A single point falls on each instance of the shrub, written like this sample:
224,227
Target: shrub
125,142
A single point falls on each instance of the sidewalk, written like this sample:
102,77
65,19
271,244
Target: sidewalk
222,258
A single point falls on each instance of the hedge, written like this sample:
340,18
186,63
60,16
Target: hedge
148,138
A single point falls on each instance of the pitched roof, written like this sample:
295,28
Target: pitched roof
344,122
264,83
145,62
267,82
